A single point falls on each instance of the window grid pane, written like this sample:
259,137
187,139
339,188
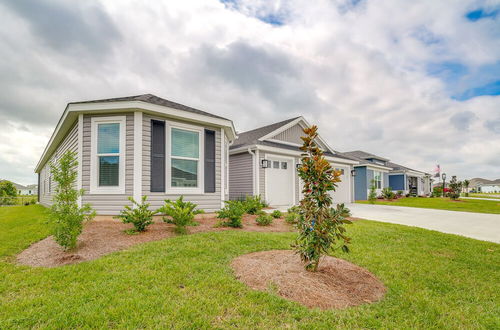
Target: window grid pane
108,138
185,143
184,173
108,170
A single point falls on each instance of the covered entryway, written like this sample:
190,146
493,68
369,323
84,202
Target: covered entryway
280,181
342,193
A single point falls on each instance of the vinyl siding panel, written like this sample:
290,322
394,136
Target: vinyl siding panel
70,142
240,175
209,202
292,135
108,204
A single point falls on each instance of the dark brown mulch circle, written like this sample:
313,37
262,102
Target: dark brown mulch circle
336,284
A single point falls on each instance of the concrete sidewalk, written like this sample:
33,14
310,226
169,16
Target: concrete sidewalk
482,198
480,226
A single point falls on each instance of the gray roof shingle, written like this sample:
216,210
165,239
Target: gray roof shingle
153,99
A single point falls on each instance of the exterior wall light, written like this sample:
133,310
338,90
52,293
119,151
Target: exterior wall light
264,163
353,172
297,166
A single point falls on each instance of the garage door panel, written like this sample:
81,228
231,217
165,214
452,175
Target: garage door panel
280,181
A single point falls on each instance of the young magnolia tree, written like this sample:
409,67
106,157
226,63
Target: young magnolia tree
66,216
320,226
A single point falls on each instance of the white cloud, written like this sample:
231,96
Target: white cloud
357,69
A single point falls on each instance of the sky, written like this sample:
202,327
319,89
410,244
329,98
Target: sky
417,82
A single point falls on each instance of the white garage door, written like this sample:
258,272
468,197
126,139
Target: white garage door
342,192
279,178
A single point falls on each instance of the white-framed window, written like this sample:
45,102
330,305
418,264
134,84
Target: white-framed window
185,159
377,176
108,155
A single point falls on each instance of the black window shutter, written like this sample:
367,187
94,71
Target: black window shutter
157,156
209,161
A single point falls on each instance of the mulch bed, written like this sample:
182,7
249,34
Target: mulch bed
105,235
336,284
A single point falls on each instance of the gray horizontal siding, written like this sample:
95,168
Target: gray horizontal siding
240,175
209,202
108,203
70,142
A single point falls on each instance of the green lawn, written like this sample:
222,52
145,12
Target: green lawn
496,196
434,280
466,205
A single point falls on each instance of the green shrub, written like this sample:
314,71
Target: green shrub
66,217
320,227
276,214
292,218
181,213
455,187
264,220
8,193
253,204
387,193
139,214
372,196
294,209
232,212
399,193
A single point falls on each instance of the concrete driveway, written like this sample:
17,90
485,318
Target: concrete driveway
480,226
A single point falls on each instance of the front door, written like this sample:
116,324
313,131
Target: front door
280,181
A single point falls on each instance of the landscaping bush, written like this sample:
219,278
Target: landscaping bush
276,214
292,218
264,220
66,217
387,193
181,213
253,204
233,211
372,195
320,226
140,215
294,209
455,187
8,193
437,191
399,194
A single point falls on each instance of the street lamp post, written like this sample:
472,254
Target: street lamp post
443,176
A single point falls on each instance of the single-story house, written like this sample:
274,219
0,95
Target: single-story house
141,145
489,188
386,174
30,189
263,162
409,181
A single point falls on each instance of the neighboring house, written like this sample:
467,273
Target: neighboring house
263,162
141,145
370,167
404,179
25,190
489,188
386,174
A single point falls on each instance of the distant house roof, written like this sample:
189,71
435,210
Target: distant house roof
17,185
252,137
153,99
363,156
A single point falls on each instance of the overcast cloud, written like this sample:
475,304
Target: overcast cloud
417,82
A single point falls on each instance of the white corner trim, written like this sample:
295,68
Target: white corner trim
257,172
222,167
79,183
94,169
138,138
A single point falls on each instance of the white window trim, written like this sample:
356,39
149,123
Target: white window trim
381,179
94,167
201,160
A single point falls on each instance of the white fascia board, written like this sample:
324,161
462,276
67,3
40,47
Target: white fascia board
74,109
375,166
288,153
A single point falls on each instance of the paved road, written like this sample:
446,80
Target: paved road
480,226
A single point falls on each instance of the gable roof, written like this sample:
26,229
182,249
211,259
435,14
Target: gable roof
152,99
363,156
253,136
